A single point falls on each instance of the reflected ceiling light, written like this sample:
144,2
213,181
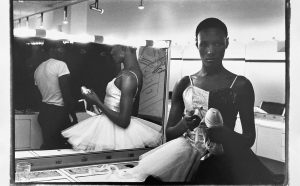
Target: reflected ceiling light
65,15
95,6
20,1
20,23
81,38
24,32
111,40
56,35
141,6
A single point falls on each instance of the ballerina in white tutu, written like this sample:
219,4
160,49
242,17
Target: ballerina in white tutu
177,160
115,128
213,86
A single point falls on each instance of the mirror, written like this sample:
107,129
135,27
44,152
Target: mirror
257,35
91,65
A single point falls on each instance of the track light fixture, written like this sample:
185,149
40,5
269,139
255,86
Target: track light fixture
42,20
27,21
141,6
95,6
20,23
65,15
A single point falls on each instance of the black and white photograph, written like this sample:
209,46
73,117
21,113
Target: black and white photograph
152,92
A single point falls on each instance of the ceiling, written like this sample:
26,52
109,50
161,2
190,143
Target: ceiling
30,7
22,9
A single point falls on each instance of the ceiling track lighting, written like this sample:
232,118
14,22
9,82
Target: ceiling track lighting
95,6
42,20
65,21
141,6
27,22
51,9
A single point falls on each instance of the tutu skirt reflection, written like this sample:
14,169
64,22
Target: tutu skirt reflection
99,133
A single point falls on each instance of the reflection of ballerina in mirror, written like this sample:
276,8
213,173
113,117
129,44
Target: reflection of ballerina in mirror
115,128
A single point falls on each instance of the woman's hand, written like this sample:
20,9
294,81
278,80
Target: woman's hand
191,121
91,97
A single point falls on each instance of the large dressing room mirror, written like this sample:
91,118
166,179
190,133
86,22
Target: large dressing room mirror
90,65
163,32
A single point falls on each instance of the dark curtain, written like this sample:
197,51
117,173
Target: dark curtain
90,65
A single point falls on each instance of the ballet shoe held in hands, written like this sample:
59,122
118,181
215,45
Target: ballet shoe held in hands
91,97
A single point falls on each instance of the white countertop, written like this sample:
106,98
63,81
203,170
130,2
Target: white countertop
270,123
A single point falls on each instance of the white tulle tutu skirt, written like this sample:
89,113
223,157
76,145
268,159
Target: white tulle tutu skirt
174,161
99,133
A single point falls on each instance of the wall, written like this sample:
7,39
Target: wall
259,61
78,18
253,25
254,28
177,20
266,69
172,19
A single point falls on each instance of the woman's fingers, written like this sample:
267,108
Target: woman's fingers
192,121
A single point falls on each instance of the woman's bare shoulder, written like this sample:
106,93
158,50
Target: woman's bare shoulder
243,84
183,83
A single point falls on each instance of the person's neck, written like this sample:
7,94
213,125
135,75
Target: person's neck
207,71
55,57
130,66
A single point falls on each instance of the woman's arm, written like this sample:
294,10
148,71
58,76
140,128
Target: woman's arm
177,124
128,89
65,86
245,107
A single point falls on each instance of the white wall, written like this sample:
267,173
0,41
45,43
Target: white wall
268,80
173,19
259,61
177,19
78,18
253,25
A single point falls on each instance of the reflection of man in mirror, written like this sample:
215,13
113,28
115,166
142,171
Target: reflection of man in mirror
52,78
115,128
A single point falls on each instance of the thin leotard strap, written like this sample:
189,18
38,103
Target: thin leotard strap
137,80
233,81
191,81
